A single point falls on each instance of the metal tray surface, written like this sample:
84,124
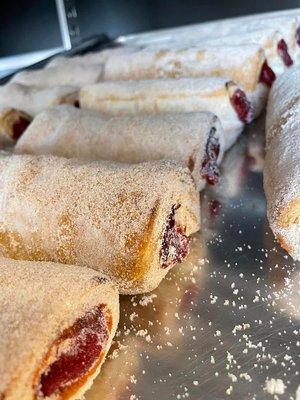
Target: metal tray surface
225,323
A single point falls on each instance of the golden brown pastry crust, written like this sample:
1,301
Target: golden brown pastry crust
38,301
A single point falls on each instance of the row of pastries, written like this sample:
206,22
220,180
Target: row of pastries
104,156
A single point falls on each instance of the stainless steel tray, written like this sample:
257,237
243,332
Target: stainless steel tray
225,324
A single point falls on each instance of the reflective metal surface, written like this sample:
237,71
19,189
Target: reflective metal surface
225,324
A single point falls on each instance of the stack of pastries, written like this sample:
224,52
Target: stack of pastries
99,190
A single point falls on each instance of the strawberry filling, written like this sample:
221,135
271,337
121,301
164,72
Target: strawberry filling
209,168
77,352
214,207
175,244
19,127
242,106
283,52
267,75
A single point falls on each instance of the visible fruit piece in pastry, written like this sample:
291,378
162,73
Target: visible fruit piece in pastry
267,75
75,354
175,244
242,106
284,53
57,325
210,168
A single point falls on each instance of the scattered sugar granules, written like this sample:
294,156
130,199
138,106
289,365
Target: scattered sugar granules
229,390
145,300
275,386
232,377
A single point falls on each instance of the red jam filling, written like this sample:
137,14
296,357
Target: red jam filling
209,168
175,244
214,207
19,127
267,75
298,36
283,52
77,350
242,106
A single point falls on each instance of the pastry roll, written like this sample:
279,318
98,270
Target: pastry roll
270,40
250,69
217,95
200,61
195,139
72,75
281,172
57,323
13,123
287,25
131,222
33,99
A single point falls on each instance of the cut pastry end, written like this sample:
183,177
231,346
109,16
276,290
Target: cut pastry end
210,168
175,242
283,52
13,123
171,246
75,357
240,103
267,75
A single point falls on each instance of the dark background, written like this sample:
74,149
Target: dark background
27,25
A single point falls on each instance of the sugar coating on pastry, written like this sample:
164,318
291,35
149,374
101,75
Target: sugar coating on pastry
131,222
270,40
33,99
287,25
195,139
282,186
59,322
13,123
97,57
283,95
281,172
72,75
217,95
204,60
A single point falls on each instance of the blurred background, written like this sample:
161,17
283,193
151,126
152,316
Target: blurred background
32,26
